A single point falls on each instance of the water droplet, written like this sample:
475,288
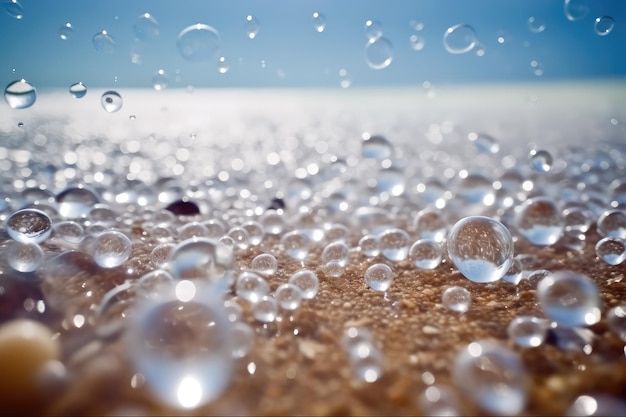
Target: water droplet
251,26
515,272
616,319
366,362
376,147
264,264
103,42
111,249
334,269
20,94
379,277
484,143
527,331
459,39
373,30
265,310
14,9
152,284
159,80
335,252
307,281
111,101
288,296
493,376
417,42
319,22
66,31
183,348
296,244
202,258
394,244
240,237
273,222
536,24
223,65
20,124
540,160
69,230
255,232
457,299
379,53
29,225
611,250
540,221
78,90
577,219
575,9
429,223
425,254
146,27
115,307
612,223
481,248
569,298
251,286
24,256
369,246
76,202
198,42
160,254
344,78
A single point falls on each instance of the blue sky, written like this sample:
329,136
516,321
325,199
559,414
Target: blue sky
289,52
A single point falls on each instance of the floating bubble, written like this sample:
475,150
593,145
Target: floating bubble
569,298
459,39
368,246
439,400
251,286
223,65
111,101
575,9
198,42
540,221
492,376
373,30
204,259
111,249
319,22
425,254
611,250
307,281
481,248
265,310
612,223
528,331
296,244
379,277
540,160
376,147
288,296
78,90
394,244
20,94
484,143
536,24
251,26
69,230
13,9
24,256
66,31
76,202
160,80
616,319
379,53
103,42
457,299
29,225
417,42
265,264
146,27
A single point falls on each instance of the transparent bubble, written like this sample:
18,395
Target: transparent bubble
76,202
191,230
616,319
69,230
255,232
160,80
242,339
20,94
13,9
476,189
215,228
484,143
336,232
540,160
29,225
265,264
103,42
439,400
376,147
612,223
417,42
611,250
111,249
373,30
319,22
337,252
379,53
24,256
307,281
492,376
540,221
160,254
425,254
515,272
459,39
182,343
296,244
240,237
596,405
288,296
202,258
430,224
457,299
528,331
379,277
111,101
481,248
198,42
251,286
66,31
394,244
251,26
391,181
334,269
113,311
152,284
577,219
575,9
368,246
354,336
536,24
223,65
265,310
146,27
78,90
103,215
569,298
273,222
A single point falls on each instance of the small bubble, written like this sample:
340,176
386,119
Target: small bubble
255,232
394,244
417,42
266,309
575,9
132,117
307,281
457,299
152,284
20,94
160,80
439,400
78,90
29,225
111,249
13,9
596,405
202,258
103,42
76,202
288,296
319,22
373,30
242,339
378,53
111,101
527,331
146,27
251,286
198,42
296,244
66,31
376,147
459,39
334,269
379,277
540,221
24,256
160,254
369,246
425,254
265,264
223,65
20,124
612,223
251,26
611,250
335,252
536,24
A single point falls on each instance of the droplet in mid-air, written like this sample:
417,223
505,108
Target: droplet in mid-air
66,31
379,277
146,27
481,248
29,225
459,39
603,25
319,22
251,26
111,101
379,53
20,94
540,221
198,42
611,250
78,90
103,42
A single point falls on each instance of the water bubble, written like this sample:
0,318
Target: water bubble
159,80
115,307
78,90
379,277
577,219
152,284
336,252
536,24
24,256
288,296
111,101
457,299
111,249
476,190
540,160
319,22
515,272
336,232
76,202
103,42
569,298
612,223
368,246
481,248
251,26
254,231
20,94
417,42
575,9
425,254
334,269
492,376
251,286
182,346
540,221
223,65
202,258
345,80
265,310
296,244
459,39
29,225
66,31
69,230
616,319
611,250
484,143
376,147
439,400
307,281
373,30
264,264
198,42
14,9
379,53
240,237
394,244
527,331
429,223
160,254
391,181
146,27
273,222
